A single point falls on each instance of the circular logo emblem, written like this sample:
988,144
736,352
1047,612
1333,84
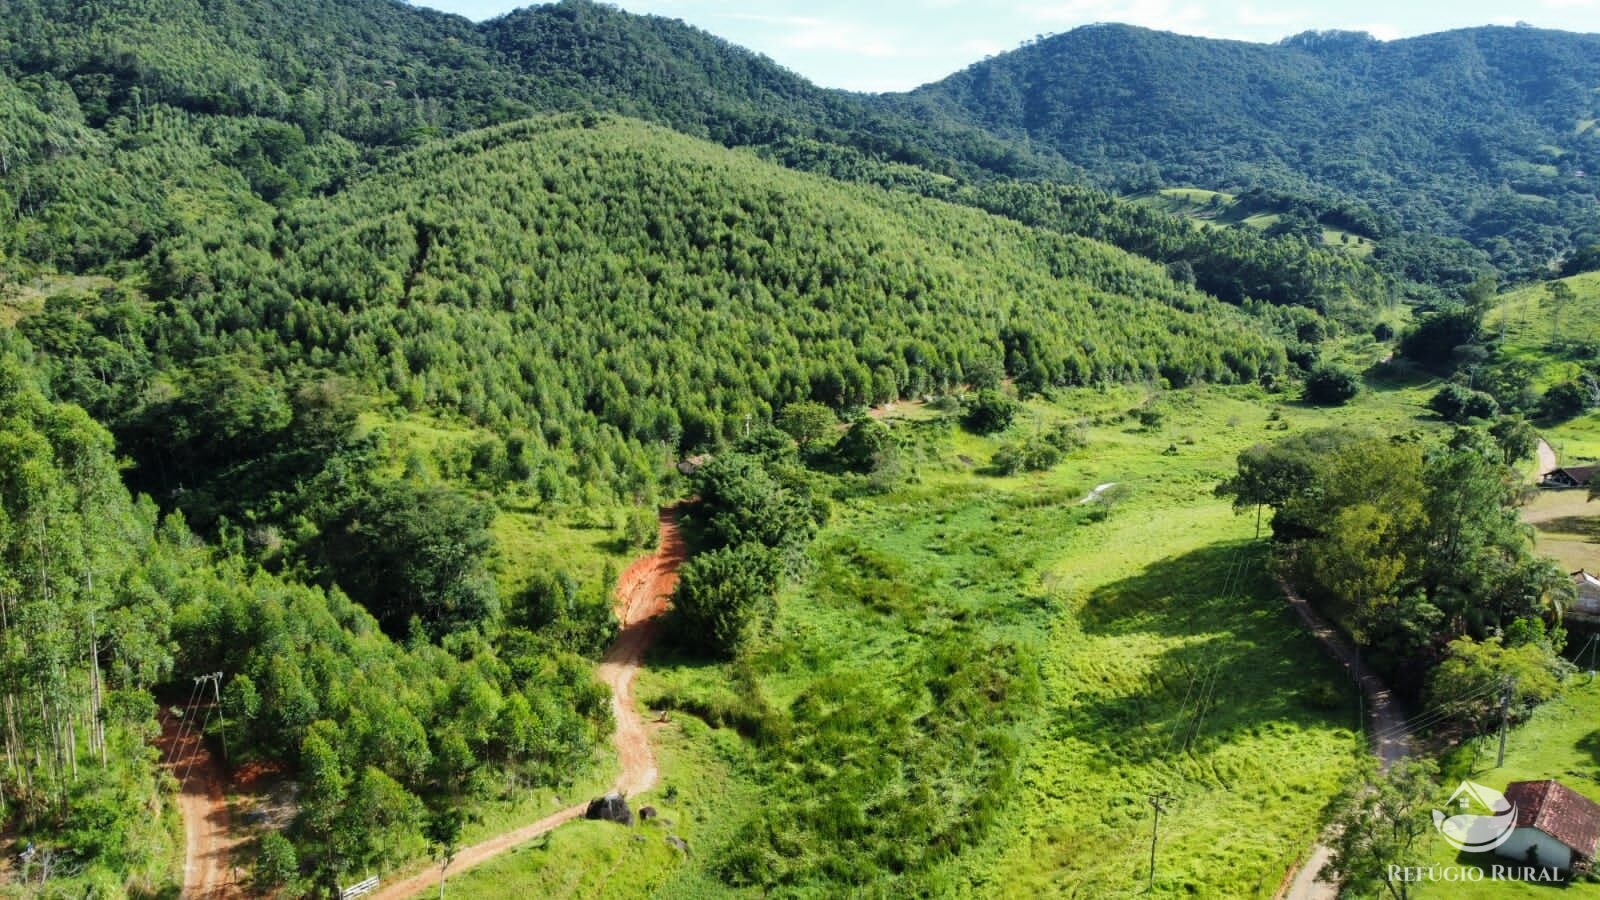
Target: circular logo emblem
1486,821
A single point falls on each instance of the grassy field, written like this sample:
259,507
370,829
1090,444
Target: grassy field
1576,440
1556,340
1561,741
587,539
1220,208
592,859
1166,662
1566,527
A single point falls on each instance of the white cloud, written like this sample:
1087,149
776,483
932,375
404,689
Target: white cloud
1162,14
815,34
1383,31
982,47
1569,4
1253,17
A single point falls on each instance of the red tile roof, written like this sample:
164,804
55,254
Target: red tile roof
1558,811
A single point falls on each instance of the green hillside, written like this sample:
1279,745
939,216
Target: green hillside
350,350
601,291
104,162
1472,134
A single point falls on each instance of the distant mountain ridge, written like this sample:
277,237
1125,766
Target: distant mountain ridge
381,72
1486,134
125,121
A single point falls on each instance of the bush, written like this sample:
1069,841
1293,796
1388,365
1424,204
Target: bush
277,864
722,595
1066,438
1564,400
1433,341
1331,386
1033,455
808,422
865,446
1460,404
992,411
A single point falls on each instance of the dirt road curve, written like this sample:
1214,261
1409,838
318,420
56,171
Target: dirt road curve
1547,458
642,593
208,847
1391,738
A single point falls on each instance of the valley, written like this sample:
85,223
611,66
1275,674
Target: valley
955,493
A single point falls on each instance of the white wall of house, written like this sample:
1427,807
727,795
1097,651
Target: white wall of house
1588,591
1551,851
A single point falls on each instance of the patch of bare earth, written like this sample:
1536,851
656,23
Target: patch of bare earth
208,871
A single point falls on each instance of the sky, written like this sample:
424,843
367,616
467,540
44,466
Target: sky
893,45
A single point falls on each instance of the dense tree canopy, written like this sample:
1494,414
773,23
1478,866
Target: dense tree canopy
1411,547
1481,134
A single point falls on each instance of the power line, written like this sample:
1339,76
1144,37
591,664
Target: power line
177,741
215,680
1157,802
1437,713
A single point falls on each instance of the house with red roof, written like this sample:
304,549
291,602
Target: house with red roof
1556,826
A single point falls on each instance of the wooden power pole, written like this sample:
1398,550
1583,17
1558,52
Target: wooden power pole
1158,802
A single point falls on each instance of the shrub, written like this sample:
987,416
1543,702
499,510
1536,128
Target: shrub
1033,455
866,446
992,411
1564,400
722,595
807,422
1459,404
1331,386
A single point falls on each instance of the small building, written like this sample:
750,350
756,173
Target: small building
1556,826
1588,587
1569,476
692,464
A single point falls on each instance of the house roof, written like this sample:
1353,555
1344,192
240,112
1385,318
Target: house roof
1579,474
1558,811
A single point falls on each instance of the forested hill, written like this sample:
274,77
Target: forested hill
125,122
1485,134
595,290
380,72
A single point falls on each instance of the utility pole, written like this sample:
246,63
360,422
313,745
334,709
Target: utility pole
1505,717
215,678
1157,802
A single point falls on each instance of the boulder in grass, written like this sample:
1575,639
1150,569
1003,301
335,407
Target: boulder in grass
611,808
646,813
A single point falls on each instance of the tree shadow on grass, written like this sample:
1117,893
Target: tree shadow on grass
1586,527
1235,660
1487,861
1590,743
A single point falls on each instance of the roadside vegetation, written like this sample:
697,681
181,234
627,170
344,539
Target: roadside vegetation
1144,649
349,351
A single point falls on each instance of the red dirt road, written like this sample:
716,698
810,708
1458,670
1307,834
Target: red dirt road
208,845
642,594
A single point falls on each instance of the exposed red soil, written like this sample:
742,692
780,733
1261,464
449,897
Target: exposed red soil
642,594
208,846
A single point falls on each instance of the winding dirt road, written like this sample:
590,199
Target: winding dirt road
642,594
1547,458
1391,738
